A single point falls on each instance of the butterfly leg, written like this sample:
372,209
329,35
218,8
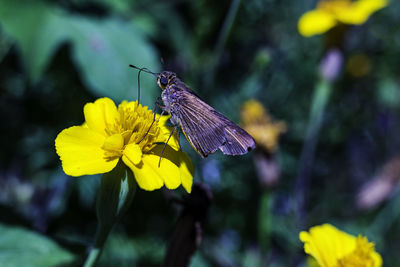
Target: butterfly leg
154,119
169,137
179,139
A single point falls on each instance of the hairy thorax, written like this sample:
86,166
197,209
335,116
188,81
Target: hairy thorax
170,98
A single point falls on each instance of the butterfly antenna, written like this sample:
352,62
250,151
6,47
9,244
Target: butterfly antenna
140,70
145,70
138,84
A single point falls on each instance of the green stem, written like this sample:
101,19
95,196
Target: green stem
100,240
115,195
264,220
320,99
222,38
226,28
92,257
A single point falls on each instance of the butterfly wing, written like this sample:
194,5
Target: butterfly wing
238,141
208,130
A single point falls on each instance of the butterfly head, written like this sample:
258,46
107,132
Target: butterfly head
165,78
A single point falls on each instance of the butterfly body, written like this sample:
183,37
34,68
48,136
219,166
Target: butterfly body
206,129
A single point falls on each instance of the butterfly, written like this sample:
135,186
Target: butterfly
206,129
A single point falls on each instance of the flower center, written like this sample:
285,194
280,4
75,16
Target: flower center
361,256
134,126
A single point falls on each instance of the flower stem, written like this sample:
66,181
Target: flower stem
321,96
226,28
222,38
115,195
95,252
265,220
92,258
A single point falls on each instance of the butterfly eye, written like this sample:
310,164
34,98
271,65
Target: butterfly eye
163,81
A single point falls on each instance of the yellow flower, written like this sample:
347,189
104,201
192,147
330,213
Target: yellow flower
329,13
257,122
331,247
110,134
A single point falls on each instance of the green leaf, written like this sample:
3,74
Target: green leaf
103,51
38,30
120,250
21,247
117,5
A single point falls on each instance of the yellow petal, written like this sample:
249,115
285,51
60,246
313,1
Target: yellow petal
133,153
162,120
113,142
100,114
327,244
166,132
173,141
145,174
187,171
315,22
377,259
80,152
182,161
168,170
360,11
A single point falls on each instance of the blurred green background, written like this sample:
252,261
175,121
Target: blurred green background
55,56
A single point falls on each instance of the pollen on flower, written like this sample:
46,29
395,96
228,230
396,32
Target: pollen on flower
132,125
113,146
362,255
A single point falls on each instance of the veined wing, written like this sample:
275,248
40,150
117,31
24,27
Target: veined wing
208,130
238,141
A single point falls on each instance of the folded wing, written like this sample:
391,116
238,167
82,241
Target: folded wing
208,130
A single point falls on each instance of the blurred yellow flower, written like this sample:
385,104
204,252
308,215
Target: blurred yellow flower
359,65
331,247
257,122
110,134
329,13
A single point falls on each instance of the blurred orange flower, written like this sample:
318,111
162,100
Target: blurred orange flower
257,122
